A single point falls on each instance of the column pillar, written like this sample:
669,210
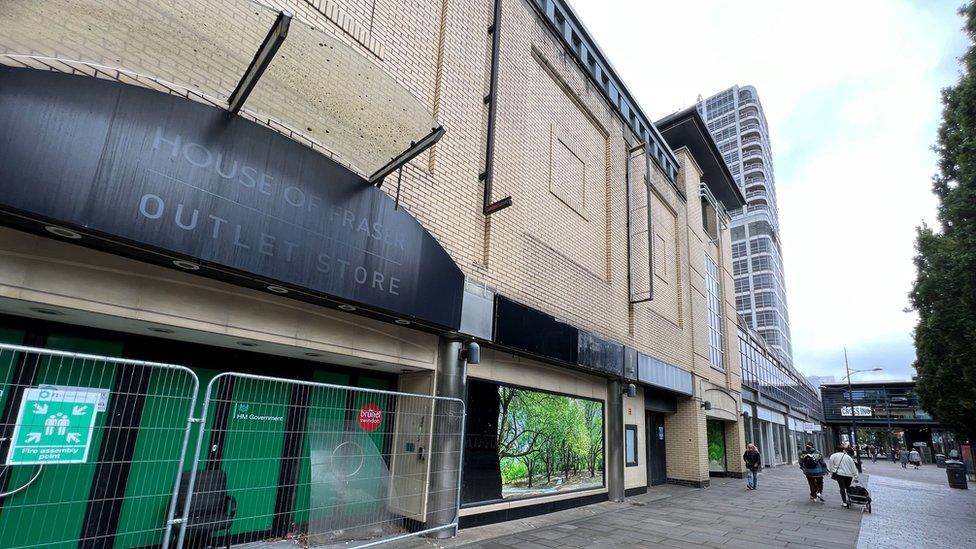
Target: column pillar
615,441
447,444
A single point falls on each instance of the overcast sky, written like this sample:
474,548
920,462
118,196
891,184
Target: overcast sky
851,95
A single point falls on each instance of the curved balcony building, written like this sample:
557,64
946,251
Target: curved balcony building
736,120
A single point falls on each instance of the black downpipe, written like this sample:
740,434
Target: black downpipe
487,175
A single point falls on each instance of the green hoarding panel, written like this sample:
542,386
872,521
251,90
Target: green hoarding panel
8,361
326,411
252,450
59,498
156,456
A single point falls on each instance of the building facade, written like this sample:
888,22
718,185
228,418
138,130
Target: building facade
230,208
782,409
737,122
888,415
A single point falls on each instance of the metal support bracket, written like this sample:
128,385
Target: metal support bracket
263,57
401,159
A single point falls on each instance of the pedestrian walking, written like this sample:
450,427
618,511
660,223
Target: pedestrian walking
814,468
753,463
894,455
874,456
915,458
903,457
844,471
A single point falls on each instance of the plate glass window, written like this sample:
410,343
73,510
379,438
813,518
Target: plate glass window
630,441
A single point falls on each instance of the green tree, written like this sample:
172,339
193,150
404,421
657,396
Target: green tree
944,293
593,421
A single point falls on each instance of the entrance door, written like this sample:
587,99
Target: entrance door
657,471
715,431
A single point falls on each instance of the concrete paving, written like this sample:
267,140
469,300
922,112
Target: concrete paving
778,514
916,509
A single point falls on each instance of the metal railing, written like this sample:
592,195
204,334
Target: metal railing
321,464
92,448
98,452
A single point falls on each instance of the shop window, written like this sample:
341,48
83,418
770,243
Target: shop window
523,443
630,441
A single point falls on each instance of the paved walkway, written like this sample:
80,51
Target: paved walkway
916,508
779,514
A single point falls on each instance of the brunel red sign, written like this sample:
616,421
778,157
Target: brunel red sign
370,417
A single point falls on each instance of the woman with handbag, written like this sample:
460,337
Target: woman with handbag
843,470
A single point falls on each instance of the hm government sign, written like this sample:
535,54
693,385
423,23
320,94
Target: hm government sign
159,174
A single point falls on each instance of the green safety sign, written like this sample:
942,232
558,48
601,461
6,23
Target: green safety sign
54,425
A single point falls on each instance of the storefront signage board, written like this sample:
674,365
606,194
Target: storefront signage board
858,411
149,172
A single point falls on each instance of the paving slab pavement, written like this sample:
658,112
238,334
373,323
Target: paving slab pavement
916,509
778,514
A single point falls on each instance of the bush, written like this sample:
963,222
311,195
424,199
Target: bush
513,470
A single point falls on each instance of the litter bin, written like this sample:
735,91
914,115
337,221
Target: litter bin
956,473
940,460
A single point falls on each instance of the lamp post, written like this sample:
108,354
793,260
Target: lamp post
850,399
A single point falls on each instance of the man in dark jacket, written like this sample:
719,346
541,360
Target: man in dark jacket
753,464
814,467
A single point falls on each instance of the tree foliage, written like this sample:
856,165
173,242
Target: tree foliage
944,293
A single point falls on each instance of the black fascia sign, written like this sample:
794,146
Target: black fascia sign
178,177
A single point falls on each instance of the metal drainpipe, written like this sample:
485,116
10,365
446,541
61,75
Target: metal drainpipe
487,176
446,453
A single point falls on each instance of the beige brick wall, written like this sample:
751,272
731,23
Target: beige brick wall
561,153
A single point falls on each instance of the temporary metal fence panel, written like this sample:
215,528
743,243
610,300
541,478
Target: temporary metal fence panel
321,464
92,448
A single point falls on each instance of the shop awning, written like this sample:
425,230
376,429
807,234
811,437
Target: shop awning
315,88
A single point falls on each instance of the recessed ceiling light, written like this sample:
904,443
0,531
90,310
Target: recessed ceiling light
313,354
161,330
62,232
277,289
247,344
345,307
46,311
186,265
402,321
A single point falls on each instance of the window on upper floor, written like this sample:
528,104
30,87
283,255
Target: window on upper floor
709,219
765,299
763,282
761,245
742,285
739,249
762,263
716,337
766,319
740,267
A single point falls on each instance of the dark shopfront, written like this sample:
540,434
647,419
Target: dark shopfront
145,213
277,508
